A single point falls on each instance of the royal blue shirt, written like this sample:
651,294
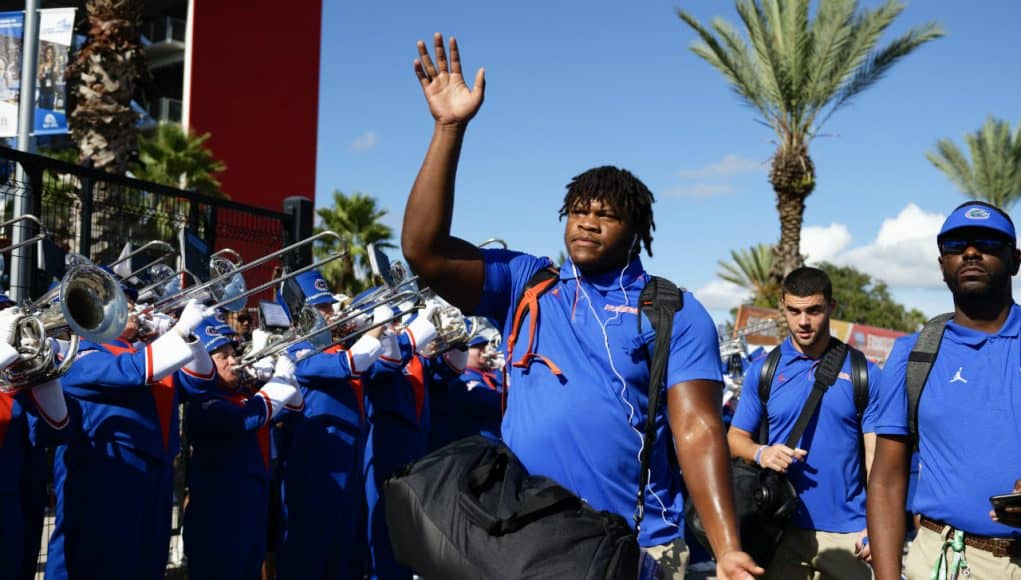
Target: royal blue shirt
969,424
830,480
585,428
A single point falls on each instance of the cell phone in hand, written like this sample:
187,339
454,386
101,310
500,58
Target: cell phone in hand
1000,502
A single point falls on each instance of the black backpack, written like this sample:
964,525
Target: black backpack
471,510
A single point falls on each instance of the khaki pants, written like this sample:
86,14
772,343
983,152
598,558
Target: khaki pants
815,555
672,558
925,550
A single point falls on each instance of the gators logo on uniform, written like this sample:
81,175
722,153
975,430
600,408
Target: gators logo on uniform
320,285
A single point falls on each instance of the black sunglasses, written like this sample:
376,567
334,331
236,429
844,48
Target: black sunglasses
986,246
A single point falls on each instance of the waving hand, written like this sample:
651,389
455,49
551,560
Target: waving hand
450,100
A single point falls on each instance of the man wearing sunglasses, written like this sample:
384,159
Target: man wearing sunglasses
969,443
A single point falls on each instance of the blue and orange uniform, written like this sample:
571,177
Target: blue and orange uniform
322,460
475,403
398,432
25,429
113,478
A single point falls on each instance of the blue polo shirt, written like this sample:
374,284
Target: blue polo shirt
830,479
969,424
585,428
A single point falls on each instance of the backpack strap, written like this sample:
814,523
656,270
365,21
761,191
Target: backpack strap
825,375
860,381
766,374
528,302
920,362
660,300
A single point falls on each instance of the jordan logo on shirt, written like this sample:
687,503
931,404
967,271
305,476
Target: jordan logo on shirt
958,378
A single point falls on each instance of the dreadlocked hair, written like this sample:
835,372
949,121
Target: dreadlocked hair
622,191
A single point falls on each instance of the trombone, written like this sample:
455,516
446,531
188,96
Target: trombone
226,284
166,249
310,326
36,238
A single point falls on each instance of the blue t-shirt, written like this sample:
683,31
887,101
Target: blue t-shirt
969,424
830,479
585,428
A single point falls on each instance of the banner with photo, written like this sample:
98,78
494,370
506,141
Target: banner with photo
56,29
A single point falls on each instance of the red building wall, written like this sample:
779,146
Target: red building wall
255,88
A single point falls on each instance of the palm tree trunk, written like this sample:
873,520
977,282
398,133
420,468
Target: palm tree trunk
793,178
791,208
103,79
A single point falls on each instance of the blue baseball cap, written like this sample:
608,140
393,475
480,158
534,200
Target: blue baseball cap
214,334
975,214
315,287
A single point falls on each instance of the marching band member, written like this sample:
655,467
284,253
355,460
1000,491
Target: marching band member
322,454
30,419
398,418
113,479
475,397
225,521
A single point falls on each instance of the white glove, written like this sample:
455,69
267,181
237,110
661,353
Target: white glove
8,324
161,323
381,313
284,369
263,368
422,329
190,318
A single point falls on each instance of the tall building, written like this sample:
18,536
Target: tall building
245,71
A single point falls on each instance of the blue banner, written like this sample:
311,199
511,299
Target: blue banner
56,27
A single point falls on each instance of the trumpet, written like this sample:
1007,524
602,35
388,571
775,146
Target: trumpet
226,284
88,302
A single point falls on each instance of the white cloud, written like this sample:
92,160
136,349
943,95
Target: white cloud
904,252
729,166
721,295
823,244
364,142
700,190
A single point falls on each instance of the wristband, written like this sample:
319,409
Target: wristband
758,454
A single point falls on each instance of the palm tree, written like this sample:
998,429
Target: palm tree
994,173
178,159
356,219
751,269
102,81
796,73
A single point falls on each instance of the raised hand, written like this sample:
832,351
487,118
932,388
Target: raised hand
450,100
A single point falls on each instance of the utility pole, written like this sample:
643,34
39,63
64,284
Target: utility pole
21,267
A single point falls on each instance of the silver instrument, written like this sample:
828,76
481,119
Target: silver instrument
88,302
226,285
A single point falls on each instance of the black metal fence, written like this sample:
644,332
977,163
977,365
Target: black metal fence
95,213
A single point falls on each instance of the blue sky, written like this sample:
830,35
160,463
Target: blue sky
572,85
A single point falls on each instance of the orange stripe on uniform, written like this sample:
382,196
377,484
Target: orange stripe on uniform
6,404
416,378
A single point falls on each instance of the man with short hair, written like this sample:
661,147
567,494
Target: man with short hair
969,443
578,400
827,533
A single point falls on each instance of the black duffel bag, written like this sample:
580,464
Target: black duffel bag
502,522
765,499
